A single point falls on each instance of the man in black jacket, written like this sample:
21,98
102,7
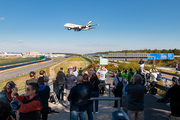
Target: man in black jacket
86,81
174,94
60,79
44,93
136,93
79,96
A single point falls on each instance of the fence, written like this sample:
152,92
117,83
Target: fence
91,62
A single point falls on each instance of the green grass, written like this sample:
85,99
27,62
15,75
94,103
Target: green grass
74,61
21,80
58,58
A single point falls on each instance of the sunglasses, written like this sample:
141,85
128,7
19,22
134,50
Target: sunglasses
28,89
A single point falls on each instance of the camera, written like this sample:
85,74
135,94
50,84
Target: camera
174,79
12,85
15,106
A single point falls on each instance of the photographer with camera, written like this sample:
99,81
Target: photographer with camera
7,88
6,110
174,94
30,108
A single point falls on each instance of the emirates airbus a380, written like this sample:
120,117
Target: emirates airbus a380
75,27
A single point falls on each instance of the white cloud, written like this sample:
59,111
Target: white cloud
19,41
2,18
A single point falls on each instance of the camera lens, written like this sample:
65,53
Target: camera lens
15,106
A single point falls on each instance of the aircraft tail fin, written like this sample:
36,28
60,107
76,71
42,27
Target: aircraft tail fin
89,23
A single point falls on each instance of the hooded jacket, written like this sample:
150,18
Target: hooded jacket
44,93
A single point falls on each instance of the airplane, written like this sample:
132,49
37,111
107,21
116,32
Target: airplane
75,27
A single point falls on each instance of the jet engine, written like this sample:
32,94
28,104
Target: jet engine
69,28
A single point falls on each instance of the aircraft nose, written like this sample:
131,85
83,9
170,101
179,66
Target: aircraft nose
66,25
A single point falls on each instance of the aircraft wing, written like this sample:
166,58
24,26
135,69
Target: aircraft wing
93,25
92,28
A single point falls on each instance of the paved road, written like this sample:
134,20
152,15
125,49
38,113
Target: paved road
153,110
22,71
168,69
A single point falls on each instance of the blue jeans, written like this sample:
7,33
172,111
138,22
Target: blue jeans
89,111
124,92
60,91
75,115
95,94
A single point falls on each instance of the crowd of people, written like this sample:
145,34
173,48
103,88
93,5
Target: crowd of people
78,89
135,85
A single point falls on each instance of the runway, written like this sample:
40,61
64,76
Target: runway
26,70
19,65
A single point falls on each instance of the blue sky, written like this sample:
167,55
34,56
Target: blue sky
37,25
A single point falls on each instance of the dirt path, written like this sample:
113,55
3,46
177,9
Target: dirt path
52,71
78,64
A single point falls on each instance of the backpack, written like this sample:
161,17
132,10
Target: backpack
119,85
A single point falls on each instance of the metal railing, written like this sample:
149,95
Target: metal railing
107,99
101,84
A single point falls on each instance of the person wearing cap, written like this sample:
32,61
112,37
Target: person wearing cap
32,79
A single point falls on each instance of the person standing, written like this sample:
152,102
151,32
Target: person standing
90,102
60,79
42,73
75,72
32,79
136,93
79,96
143,76
44,93
130,74
69,83
95,92
125,82
90,72
80,71
118,87
141,63
174,94
102,76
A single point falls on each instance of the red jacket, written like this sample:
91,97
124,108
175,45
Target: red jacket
34,105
